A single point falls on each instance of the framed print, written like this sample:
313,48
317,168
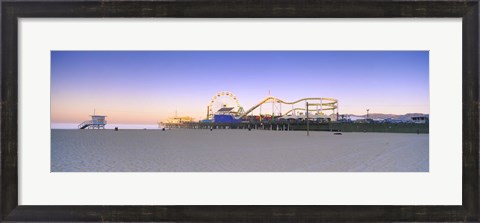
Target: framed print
239,111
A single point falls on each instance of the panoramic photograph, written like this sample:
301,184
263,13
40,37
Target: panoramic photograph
239,111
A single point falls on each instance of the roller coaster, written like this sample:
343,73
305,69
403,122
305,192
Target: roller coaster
316,105
331,104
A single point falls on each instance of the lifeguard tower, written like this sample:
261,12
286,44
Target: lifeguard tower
97,122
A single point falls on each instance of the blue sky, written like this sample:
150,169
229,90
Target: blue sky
142,87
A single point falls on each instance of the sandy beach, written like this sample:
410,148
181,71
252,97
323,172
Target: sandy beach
191,150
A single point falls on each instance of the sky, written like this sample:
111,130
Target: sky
145,87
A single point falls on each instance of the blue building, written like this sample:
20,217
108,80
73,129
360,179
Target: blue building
225,115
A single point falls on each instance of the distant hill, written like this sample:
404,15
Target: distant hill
404,117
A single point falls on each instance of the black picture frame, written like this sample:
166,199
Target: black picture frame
466,9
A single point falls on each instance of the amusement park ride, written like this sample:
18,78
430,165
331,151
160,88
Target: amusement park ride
225,108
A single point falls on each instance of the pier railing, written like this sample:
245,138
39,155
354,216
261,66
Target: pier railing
301,126
85,124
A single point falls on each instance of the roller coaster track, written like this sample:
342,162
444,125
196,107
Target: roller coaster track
303,109
332,103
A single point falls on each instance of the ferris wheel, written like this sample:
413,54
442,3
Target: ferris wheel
224,99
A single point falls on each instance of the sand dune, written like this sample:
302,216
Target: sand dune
188,150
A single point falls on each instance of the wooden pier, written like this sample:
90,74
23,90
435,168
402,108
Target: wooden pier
302,126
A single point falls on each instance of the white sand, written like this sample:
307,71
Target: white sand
189,150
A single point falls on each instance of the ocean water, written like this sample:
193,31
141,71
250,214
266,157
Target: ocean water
108,126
